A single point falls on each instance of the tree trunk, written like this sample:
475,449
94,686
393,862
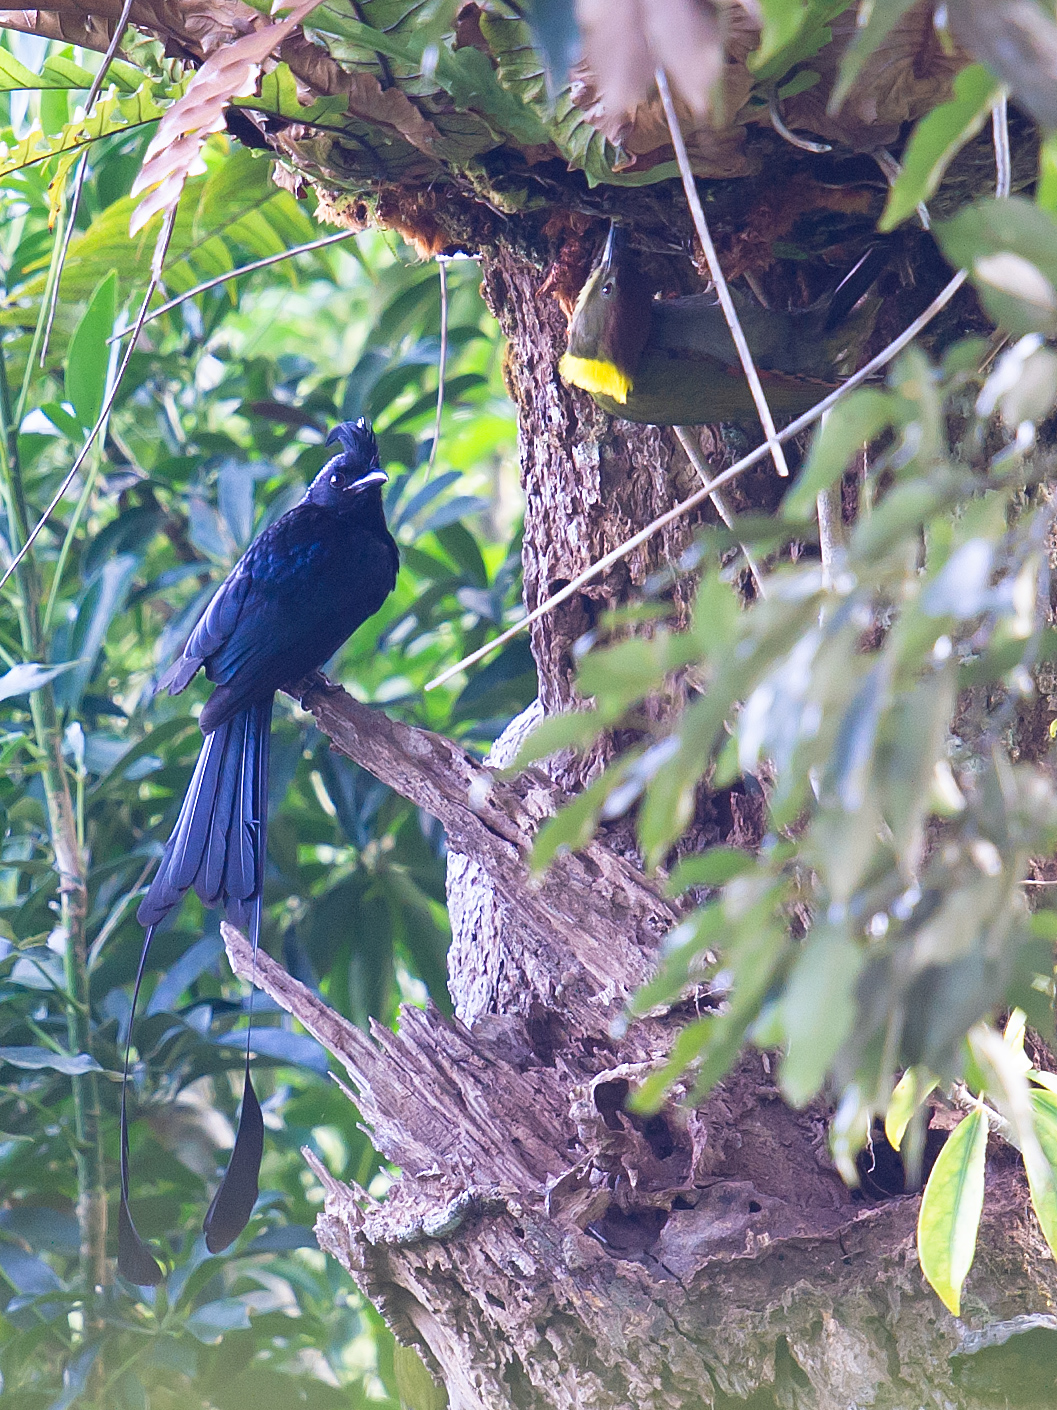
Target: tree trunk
543,1248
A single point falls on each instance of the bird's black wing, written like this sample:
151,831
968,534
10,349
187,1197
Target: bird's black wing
215,626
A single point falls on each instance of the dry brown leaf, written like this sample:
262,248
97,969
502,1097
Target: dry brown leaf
90,31
175,151
715,144
902,80
388,107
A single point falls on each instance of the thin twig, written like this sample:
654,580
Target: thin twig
722,508
442,361
830,535
165,235
232,274
891,168
662,521
730,313
1003,159
804,143
82,169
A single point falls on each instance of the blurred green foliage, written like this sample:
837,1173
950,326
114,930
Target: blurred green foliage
219,422
898,703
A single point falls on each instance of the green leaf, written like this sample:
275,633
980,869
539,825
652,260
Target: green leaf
72,1064
214,1320
818,1009
88,357
61,419
113,114
28,676
575,825
909,1093
715,867
1042,1166
15,75
936,139
793,30
854,422
950,1210
1009,248
418,1390
573,730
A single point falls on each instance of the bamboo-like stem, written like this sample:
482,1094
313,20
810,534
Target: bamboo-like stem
69,864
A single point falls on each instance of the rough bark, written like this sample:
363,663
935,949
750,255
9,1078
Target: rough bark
544,1249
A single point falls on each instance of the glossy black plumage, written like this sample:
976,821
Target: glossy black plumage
298,592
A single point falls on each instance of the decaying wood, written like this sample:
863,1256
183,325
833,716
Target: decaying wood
594,909
545,1249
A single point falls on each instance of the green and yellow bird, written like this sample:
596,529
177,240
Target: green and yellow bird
672,362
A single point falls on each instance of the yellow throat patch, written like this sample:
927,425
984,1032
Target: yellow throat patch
597,377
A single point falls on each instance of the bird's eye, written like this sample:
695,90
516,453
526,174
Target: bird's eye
607,288
337,480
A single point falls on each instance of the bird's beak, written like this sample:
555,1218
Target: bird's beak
610,247
373,477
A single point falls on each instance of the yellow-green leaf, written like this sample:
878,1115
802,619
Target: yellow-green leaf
950,1210
910,1091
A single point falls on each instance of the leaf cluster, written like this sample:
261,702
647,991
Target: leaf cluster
218,424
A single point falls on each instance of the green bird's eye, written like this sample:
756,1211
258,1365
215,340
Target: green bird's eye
607,289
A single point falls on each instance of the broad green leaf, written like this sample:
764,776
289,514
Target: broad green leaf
910,1091
14,75
574,826
1042,1170
417,1387
685,951
61,419
1046,190
88,357
852,424
622,674
715,867
1009,248
793,30
818,1009
950,1210
21,679
110,114
72,1064
573,730
1007,1080
214,1320
937,138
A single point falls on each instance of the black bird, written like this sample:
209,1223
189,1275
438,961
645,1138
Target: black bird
298,592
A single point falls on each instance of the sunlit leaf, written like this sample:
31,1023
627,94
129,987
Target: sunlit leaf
950,1209
907,1097
936,139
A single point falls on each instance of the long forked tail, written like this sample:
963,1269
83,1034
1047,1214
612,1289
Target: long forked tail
218,847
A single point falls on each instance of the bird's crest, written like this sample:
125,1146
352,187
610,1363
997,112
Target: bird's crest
356,438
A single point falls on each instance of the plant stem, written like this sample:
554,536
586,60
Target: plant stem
69,861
